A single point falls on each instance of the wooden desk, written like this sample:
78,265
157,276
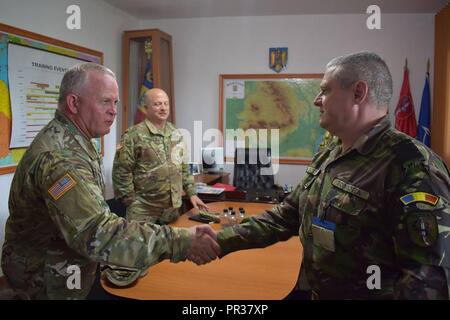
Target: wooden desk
257,274
212,178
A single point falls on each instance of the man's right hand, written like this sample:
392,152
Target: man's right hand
204,247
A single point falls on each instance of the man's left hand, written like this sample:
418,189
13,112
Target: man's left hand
197,203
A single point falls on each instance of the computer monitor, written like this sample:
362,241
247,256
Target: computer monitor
212,159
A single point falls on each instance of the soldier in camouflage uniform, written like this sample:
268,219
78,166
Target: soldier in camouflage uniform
59,222
373,198
150,168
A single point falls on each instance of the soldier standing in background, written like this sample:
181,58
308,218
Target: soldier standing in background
58,215
373,199
150,168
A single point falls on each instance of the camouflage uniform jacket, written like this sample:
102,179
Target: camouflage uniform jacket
58,218
327,138
150,167
388,197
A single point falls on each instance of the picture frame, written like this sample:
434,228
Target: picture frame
194,168
32,46
271,101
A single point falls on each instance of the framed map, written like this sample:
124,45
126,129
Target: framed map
31,69
282,104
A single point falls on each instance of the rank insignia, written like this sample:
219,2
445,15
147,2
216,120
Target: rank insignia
419,196
60,187
278,58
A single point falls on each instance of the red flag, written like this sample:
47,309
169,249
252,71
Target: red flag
405,116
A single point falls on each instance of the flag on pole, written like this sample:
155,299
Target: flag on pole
147,84
405,116
424,133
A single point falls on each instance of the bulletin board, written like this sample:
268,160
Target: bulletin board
27,103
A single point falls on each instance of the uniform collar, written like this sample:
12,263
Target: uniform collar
165,132
86,144
67,123
365,143
369,140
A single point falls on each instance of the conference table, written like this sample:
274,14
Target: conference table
256,274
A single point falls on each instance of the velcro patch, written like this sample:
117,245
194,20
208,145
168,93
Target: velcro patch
422,228
419,196
60,187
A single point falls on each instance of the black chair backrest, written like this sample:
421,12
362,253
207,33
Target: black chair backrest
248,163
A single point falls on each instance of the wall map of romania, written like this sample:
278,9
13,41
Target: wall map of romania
286,105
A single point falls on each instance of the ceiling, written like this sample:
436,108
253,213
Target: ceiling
168,9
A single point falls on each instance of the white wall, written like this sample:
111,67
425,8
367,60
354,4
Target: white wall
101,30
207,47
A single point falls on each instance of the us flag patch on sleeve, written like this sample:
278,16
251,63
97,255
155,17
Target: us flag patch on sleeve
60,187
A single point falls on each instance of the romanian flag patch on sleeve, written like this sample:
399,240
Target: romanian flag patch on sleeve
60,187
419,196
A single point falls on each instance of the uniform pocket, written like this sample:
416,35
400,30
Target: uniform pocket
348,198
346,204
149,157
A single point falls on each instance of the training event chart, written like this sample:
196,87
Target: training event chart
34,79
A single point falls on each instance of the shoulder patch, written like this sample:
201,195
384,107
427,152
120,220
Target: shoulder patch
422,229
419,196
60,187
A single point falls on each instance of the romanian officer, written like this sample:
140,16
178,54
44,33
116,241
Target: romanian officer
150,168
372,212
59,224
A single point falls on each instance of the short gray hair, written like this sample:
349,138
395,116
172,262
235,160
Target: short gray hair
75,78
367,66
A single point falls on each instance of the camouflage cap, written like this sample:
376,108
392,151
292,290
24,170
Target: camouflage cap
122,276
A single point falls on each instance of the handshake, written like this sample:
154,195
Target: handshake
204,247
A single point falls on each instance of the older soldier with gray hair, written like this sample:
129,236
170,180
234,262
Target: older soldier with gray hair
372,212
59,220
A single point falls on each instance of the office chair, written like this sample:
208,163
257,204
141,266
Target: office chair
247,175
